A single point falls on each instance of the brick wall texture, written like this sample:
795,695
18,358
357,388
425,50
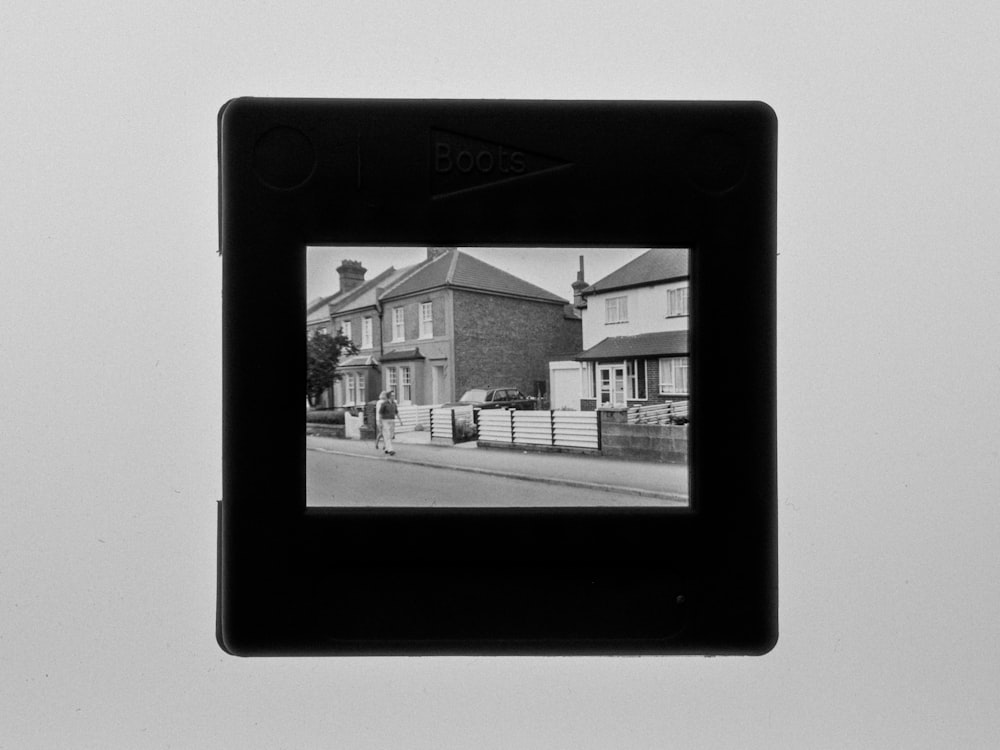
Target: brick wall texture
503,341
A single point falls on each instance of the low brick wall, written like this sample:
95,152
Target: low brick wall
642,442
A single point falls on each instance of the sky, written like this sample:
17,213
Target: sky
553,269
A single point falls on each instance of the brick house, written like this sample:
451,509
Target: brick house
635,333
357,314
352,278
452,322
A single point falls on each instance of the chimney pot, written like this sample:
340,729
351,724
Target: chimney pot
352,275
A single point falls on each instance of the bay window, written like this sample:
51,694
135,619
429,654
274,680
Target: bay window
674,376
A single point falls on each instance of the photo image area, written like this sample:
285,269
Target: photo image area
520,377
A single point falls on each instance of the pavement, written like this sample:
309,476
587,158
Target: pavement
645,479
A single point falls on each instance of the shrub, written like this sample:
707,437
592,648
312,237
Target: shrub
325,416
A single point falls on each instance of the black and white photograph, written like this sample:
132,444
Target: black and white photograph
112,364
497,377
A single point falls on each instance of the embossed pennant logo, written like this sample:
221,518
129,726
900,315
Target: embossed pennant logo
460,163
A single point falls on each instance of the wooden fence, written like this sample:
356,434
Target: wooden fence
668,413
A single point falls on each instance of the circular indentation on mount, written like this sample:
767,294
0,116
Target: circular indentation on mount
717,162
283,158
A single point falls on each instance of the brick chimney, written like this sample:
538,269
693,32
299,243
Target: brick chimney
578,286
352,275
437,252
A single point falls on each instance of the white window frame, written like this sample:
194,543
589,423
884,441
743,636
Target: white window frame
321,331
360,388
405,385
426,320
398,324
632,370
677,302
347,330
616,310
366,333
349,392
390,378
672,370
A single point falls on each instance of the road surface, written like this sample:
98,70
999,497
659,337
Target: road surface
378,481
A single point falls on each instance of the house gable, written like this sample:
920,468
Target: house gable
660,264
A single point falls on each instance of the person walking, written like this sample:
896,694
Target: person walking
379,440
389,414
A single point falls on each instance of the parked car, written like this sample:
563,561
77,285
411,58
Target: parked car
495,398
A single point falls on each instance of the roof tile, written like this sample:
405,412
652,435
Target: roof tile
656,265
659,344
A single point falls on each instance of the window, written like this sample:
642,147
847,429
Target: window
677,302
636,378
360,388
405,385
321,331
674,375
426,320
616,310
398,329
347,330
366,333
350,396
390,378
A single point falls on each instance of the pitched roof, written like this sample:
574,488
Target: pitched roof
656,265
317,310
459,270
402,354
659,344
364,295
360,360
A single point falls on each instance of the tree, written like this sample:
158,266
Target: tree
322,355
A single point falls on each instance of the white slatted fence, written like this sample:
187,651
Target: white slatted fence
441,424
554,429
533,427
496,425
414,415
575,429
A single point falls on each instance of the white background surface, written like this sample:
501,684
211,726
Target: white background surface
888,373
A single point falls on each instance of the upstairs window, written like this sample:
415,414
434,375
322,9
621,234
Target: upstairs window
398,324
677,302
616,310
426,320
347,330
366,333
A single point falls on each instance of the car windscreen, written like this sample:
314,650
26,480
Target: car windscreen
474,394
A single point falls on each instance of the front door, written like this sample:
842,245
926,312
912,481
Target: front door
611,386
